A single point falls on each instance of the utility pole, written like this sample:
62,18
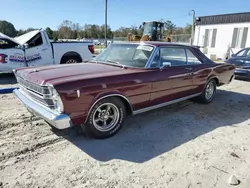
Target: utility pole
106,25
193,24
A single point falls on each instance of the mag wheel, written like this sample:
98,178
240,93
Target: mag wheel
209,92
106,118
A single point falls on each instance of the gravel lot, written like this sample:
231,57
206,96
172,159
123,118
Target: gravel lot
185,145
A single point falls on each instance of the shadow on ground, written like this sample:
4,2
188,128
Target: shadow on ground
7,78
151,134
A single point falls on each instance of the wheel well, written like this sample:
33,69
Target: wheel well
127,105
71,54
216,80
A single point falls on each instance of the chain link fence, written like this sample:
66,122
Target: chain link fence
181,38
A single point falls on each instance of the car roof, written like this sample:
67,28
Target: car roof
157,43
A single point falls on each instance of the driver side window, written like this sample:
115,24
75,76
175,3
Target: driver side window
35,41
171,56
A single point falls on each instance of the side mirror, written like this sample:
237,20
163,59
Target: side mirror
26,45
165,64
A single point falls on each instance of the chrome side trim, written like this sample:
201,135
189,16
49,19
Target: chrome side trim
165,104
58,120
111,95
78,93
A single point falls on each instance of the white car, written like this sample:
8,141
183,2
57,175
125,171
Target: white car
35,49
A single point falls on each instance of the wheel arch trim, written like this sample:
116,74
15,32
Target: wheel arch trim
213,77
107,96
209,79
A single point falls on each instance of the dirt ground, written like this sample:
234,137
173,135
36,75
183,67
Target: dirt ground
185,145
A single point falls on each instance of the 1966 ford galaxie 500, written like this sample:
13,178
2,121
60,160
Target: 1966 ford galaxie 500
125,79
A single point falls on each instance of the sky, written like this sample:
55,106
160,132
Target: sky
50,13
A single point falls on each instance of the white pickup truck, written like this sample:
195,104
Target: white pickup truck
35,49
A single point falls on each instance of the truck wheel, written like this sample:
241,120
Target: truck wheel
209,92
70,60
105,119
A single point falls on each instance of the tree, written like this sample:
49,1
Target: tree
55,35
65,30
188,29
49,32
169,27
7,28
69,30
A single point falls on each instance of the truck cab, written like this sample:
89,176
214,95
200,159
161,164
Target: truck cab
35,49
30,49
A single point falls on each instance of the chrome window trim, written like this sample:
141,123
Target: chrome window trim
150,60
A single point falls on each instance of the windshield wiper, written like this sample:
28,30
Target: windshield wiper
111,61
116,62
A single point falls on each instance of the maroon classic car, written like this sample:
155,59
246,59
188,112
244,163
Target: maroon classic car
125,79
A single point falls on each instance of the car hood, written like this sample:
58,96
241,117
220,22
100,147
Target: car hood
57,74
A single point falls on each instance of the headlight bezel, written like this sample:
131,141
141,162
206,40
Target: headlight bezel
59,107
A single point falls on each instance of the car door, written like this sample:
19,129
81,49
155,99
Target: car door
200,70
11,56
38,52
175,80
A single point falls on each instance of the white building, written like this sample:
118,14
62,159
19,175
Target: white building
220,34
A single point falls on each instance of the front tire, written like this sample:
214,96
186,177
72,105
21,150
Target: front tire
105,118
209,92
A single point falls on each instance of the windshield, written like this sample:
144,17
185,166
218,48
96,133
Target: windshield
132,55
149,28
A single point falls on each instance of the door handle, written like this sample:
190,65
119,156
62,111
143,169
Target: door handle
44,49
189,68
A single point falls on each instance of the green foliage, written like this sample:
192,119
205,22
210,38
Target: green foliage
7,28
55,35
49,32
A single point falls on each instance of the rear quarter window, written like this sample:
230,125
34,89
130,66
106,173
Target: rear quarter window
202,57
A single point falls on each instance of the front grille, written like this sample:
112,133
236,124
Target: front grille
34,87
40,94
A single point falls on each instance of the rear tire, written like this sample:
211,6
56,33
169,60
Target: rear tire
209,92
70,60
105,118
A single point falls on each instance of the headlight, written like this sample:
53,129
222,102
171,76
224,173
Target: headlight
56,99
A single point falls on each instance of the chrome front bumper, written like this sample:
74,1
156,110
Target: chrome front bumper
60,121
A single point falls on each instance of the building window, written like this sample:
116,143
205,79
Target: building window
239,37
210,38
